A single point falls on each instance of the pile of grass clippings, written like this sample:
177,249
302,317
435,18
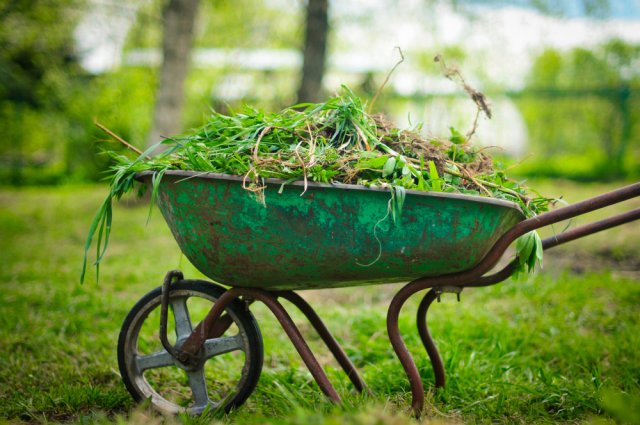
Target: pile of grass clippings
333,141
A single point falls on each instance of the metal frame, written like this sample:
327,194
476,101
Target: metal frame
204,329
215,323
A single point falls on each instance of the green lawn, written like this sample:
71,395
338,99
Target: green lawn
562,346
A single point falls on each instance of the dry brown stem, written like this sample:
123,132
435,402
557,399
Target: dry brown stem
469,176
118,138
478,98
386,80
255,148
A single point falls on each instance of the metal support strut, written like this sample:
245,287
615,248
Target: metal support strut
425,336
476,277
210,326
331,343
172,276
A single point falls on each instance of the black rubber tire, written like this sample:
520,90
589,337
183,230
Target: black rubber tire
242,317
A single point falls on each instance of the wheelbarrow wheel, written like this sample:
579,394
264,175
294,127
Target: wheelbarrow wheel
230,366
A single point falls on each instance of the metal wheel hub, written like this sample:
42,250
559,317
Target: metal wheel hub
176,381
190,362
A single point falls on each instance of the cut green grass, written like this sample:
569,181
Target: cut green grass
560,347
335,141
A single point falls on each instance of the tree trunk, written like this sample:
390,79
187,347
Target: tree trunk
315,51
179,17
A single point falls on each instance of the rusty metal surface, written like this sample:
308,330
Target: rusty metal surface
589,229
331,236
331,343
474,277
425,336
223,323
559,239
170,277
194,342
465,278
400,348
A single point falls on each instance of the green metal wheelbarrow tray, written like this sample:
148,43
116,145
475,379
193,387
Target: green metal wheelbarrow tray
308,237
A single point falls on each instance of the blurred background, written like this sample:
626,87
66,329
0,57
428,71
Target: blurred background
563,77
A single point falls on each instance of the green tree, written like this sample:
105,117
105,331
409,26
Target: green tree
37,64
48,102
314,52
177,41
584,103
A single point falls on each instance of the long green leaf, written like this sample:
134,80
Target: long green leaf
434,178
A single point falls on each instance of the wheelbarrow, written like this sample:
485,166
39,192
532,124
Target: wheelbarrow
206,352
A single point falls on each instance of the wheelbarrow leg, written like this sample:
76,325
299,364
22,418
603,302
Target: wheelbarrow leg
331,343
199,334
298,341
409,365
410,368
425,336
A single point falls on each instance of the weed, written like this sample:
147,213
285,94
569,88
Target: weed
334,141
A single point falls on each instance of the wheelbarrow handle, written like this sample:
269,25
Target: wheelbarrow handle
559,239
476,276
473,277
574,210
591,228
560,214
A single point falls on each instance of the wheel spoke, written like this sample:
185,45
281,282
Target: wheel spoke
181,316
198,387
155,360
217,346
225,371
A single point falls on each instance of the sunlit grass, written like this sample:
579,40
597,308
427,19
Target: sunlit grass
559,347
